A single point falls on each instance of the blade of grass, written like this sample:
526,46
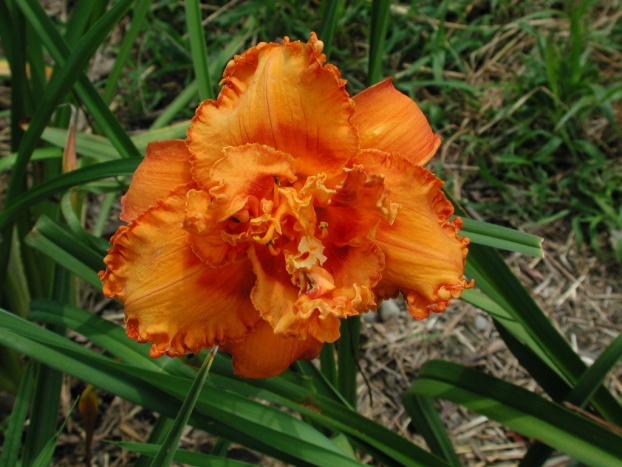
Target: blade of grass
59,86
15,429
61,54
179,103
329,24
380,10
198,48
80,17
138,21
429,425
348,354
38,155
168,448
44,458
495,279
42,433
158,433
66,249
91,146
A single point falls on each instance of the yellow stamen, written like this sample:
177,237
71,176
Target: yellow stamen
267,238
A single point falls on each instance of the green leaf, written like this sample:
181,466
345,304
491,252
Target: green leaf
495,279
381,442
198,48
59,184
94,147
581,393
61,82
329,23
348,349
63,56
15,429
429,425
44,458
495,236
138,20
380,17
218,411
182,456
522,411
65,248
38,155
167,450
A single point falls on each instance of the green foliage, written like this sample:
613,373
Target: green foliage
544,136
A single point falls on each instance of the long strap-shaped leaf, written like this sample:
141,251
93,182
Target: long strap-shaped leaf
168,448
496,280
581,394
60,85
63,56
522,411
119,168
382,443
198,48
220,412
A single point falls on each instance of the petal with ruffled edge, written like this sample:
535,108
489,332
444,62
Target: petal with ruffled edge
425,256
245,175
390,121
164,168
339,287
172,299
355,208
262,354
283,96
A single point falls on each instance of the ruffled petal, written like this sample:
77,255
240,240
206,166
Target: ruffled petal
307,294
425,256
262,354
354,209
208,239
172,299
390,121
283,96
164,168
246,175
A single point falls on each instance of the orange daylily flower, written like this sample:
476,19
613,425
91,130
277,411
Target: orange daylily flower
288,206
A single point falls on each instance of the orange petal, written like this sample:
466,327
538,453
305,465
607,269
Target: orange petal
245,175
164,168
324,293
390,121
355,208
207,239
283,96
262,354
172,299
424,255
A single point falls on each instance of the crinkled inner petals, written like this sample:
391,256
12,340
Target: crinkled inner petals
307,278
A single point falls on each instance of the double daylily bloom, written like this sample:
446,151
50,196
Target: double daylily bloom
288,206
